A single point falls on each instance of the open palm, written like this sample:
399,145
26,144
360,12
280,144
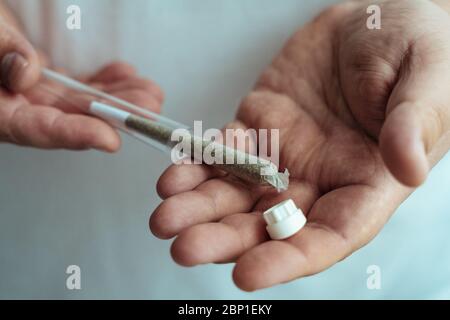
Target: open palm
352,119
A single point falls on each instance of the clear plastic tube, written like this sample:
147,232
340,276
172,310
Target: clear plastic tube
91,94
165,134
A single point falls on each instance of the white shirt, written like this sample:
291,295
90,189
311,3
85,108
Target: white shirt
89,209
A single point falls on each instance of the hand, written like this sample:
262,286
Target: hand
35,112
45,115
355,108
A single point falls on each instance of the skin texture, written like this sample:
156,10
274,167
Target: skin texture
363,114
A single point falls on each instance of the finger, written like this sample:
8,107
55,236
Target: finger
219,242
402,145
179,178
210,201
418,115
19,67
133,83
47,127
339,223
113,72
236,233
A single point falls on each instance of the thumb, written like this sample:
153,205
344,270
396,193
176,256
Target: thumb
417,117
19,62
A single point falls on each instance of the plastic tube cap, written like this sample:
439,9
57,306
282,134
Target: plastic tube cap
284,220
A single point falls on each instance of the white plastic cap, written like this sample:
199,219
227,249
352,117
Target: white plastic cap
284,220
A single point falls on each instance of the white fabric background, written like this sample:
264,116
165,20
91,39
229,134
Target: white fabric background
59,208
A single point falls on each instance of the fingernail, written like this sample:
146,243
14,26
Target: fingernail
11,68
